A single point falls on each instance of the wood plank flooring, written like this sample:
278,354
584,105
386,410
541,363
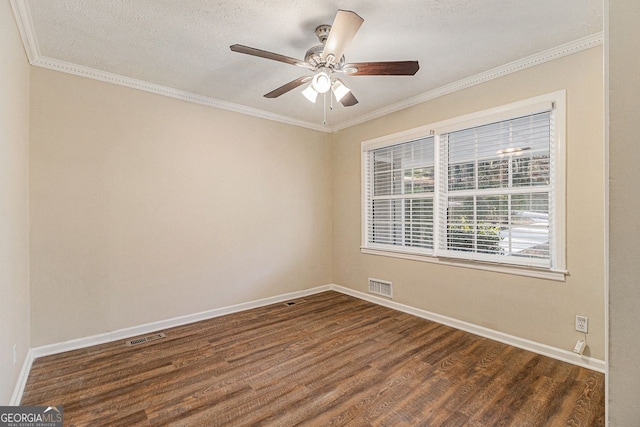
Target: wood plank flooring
330,359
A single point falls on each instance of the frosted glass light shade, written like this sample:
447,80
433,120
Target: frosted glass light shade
339,90
321,82
310,93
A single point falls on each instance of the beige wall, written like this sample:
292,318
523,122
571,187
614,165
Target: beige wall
624,205
145,208
534,309
14,202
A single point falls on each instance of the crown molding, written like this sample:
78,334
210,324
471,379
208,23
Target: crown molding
566,49
25,27
30,42
104,76
24,22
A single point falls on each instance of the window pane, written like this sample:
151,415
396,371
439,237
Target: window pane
462,176
528,231
419,180
405,168
492,214
462,145
512,153
386,222
461,224
419,222
397,182
492,138
531,170
381,161
493,173
513,224
474,223
381,221
382,183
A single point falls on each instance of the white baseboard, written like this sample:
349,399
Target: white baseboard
121,334
22,379
543,349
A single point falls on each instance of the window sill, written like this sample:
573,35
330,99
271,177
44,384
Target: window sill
539,273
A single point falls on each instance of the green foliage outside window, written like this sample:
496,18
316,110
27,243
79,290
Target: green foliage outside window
481,238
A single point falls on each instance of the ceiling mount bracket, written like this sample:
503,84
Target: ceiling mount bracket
322,31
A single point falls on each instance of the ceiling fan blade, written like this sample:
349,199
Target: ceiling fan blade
269,55
348,100
345,26
287,87
392,68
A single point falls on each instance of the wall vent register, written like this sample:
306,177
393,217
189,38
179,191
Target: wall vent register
142,340
381,287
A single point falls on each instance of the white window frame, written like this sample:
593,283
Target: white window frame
404,197
555,101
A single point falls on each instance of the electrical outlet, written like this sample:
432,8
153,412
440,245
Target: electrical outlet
582,324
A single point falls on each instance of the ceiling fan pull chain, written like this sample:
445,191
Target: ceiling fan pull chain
324,119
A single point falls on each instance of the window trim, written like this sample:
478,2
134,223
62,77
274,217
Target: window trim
555,101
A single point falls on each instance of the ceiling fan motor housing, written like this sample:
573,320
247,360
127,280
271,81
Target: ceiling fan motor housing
314,55
314,58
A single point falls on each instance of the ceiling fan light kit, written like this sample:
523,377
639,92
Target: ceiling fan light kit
310,93
339,90
321,82
327,58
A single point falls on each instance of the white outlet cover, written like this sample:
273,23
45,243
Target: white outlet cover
582,324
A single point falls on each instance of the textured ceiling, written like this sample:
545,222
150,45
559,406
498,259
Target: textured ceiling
184,44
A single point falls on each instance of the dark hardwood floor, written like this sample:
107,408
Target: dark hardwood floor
330,359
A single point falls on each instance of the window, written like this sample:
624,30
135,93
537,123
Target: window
486,188
402,190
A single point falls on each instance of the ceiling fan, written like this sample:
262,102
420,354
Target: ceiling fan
327,58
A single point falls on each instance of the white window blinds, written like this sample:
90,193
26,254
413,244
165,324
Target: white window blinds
400,191
496,191
486,188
